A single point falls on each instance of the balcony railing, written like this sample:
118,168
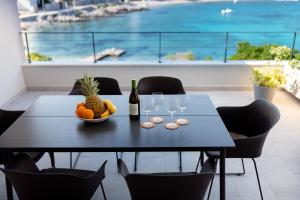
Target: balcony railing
148,46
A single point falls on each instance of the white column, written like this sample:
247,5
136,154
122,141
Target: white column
11,52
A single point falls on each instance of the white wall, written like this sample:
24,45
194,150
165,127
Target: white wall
11,53
205,75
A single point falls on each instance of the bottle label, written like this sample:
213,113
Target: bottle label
133,109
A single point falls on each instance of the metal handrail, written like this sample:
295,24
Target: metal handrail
159,34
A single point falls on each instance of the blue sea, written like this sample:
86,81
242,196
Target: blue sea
199,28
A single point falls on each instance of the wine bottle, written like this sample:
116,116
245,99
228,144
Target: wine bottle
134,102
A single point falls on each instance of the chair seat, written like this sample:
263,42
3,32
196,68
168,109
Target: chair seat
234,136
237,135
169,174
75,172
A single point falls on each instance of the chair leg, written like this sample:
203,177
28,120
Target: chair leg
103,191
76,160
260,190
244,171
71,160
52,159
180,161
210,187
200,160
136,156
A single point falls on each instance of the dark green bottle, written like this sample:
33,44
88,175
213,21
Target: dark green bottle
134,102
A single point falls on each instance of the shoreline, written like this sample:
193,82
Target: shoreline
89,12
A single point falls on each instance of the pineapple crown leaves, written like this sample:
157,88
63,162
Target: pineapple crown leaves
89,86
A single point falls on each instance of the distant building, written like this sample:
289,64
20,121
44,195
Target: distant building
29,5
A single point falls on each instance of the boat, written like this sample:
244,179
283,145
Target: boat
235,1
226,11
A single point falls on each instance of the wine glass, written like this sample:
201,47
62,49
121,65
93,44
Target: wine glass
158,101
172,105
147,106
183,101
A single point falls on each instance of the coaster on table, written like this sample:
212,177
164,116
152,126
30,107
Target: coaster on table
182,121
157,120
147,125
171,126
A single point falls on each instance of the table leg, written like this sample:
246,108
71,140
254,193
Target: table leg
9,189
222,174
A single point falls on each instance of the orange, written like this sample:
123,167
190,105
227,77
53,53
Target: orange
80,104
88,114
80,111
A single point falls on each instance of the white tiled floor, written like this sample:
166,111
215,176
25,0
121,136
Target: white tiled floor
279,165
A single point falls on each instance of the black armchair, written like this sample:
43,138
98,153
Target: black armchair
175,186
165,85
249,126
31,183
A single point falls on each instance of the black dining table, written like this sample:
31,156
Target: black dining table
50,125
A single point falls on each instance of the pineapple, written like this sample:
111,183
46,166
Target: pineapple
89,88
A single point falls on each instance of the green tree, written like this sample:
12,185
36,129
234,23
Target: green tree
246,51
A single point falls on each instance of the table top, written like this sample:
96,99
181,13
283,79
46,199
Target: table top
64,106
46,129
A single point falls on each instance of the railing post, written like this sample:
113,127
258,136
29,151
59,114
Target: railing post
159,48
226,47
293,47
27,48
94,48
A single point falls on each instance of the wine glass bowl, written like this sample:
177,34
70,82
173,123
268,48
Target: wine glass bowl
147,106
158,101
183,101
172,105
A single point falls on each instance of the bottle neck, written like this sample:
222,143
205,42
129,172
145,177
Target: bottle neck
133,84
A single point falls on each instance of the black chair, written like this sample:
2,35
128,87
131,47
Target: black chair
31,183
7,118
175,186
165,85
107,86
249,126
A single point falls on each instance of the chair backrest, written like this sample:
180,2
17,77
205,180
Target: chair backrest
7,118
32,184
175,186
107,86
254,119
166,85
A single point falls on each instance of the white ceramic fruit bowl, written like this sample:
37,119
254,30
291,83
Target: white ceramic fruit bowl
98,120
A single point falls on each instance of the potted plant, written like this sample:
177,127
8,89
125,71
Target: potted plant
266,81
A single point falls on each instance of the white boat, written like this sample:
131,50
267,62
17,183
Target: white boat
235,1
226,11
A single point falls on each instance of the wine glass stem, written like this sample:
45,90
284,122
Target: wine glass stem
147,116
172,117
